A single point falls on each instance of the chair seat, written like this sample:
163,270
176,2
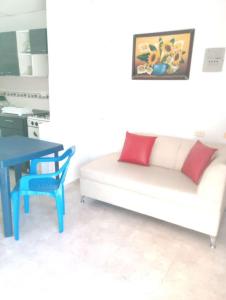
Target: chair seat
43,184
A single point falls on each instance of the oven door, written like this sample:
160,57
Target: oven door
33,132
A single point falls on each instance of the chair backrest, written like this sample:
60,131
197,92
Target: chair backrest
63,169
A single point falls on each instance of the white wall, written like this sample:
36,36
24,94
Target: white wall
24,84
93,99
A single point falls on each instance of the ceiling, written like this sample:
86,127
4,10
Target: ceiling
15,7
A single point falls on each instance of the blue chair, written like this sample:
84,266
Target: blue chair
51,184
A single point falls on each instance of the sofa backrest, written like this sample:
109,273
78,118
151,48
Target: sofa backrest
171,152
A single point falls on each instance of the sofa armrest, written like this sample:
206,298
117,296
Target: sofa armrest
212,186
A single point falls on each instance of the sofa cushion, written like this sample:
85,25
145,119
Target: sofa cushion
137,149
197,160
170,152
153,181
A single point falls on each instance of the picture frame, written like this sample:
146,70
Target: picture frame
162,55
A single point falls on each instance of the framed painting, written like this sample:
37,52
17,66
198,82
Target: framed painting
162,55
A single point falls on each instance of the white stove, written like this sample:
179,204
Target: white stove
33,124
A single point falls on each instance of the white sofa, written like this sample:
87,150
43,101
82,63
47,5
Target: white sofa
161,190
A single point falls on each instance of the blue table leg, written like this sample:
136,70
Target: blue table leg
17,172
56,163
6,201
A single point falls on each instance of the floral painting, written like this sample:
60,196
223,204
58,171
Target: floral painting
163,55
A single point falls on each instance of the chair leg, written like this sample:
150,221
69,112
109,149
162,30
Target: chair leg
16,214
26,204
63,201
59,205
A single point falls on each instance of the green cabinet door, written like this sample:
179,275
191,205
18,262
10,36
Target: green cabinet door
13,125
9,131
9,64
38,41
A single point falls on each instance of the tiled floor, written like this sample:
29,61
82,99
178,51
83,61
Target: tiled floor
108,253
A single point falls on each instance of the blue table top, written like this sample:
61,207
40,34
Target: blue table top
17,149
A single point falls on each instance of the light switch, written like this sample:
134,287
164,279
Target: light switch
213,60
199,133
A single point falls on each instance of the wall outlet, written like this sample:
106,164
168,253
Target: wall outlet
200,133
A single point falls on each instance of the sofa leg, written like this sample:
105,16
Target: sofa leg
82,200
213,242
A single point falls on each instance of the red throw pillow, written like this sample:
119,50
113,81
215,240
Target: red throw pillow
197,160
137,149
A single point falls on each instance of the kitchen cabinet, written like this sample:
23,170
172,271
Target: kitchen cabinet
24,53
33,52
12,125
9,65
38,41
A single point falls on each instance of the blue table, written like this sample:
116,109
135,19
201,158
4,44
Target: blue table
15,150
